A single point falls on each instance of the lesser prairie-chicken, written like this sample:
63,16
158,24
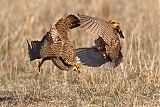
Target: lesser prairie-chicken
56,45
107,46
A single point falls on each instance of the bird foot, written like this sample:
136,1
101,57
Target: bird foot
76,68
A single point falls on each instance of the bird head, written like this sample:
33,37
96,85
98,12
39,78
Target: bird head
76,67
116,25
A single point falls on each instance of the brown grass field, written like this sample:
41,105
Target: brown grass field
134,83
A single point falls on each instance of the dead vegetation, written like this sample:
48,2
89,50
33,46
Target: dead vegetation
136,82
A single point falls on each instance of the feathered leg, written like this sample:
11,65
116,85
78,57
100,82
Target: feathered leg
39,64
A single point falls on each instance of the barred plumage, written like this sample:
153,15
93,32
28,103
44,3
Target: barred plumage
55,45
60,63
108,42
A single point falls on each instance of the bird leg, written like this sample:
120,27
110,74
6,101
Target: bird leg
39,64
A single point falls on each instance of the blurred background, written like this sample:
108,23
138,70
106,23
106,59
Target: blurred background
137,78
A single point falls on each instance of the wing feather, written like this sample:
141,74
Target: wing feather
52,45
103,29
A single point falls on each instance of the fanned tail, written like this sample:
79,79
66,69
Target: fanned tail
91,56
34,50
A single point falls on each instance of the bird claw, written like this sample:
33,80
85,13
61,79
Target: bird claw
78,71
76,68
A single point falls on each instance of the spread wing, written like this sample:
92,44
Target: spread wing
46,47
55,43
52,44
104,30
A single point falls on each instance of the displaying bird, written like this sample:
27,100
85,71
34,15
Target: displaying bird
107,46
56,46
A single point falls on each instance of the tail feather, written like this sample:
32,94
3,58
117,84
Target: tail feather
34,50
91,57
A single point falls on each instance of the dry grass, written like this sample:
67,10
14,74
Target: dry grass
136,82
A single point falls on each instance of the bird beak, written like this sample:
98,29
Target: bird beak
76,68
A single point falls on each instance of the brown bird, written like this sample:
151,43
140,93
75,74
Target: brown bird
56,46
107,46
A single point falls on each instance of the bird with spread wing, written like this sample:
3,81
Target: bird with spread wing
107,46
56,46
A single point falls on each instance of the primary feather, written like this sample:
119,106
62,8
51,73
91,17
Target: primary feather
108,42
